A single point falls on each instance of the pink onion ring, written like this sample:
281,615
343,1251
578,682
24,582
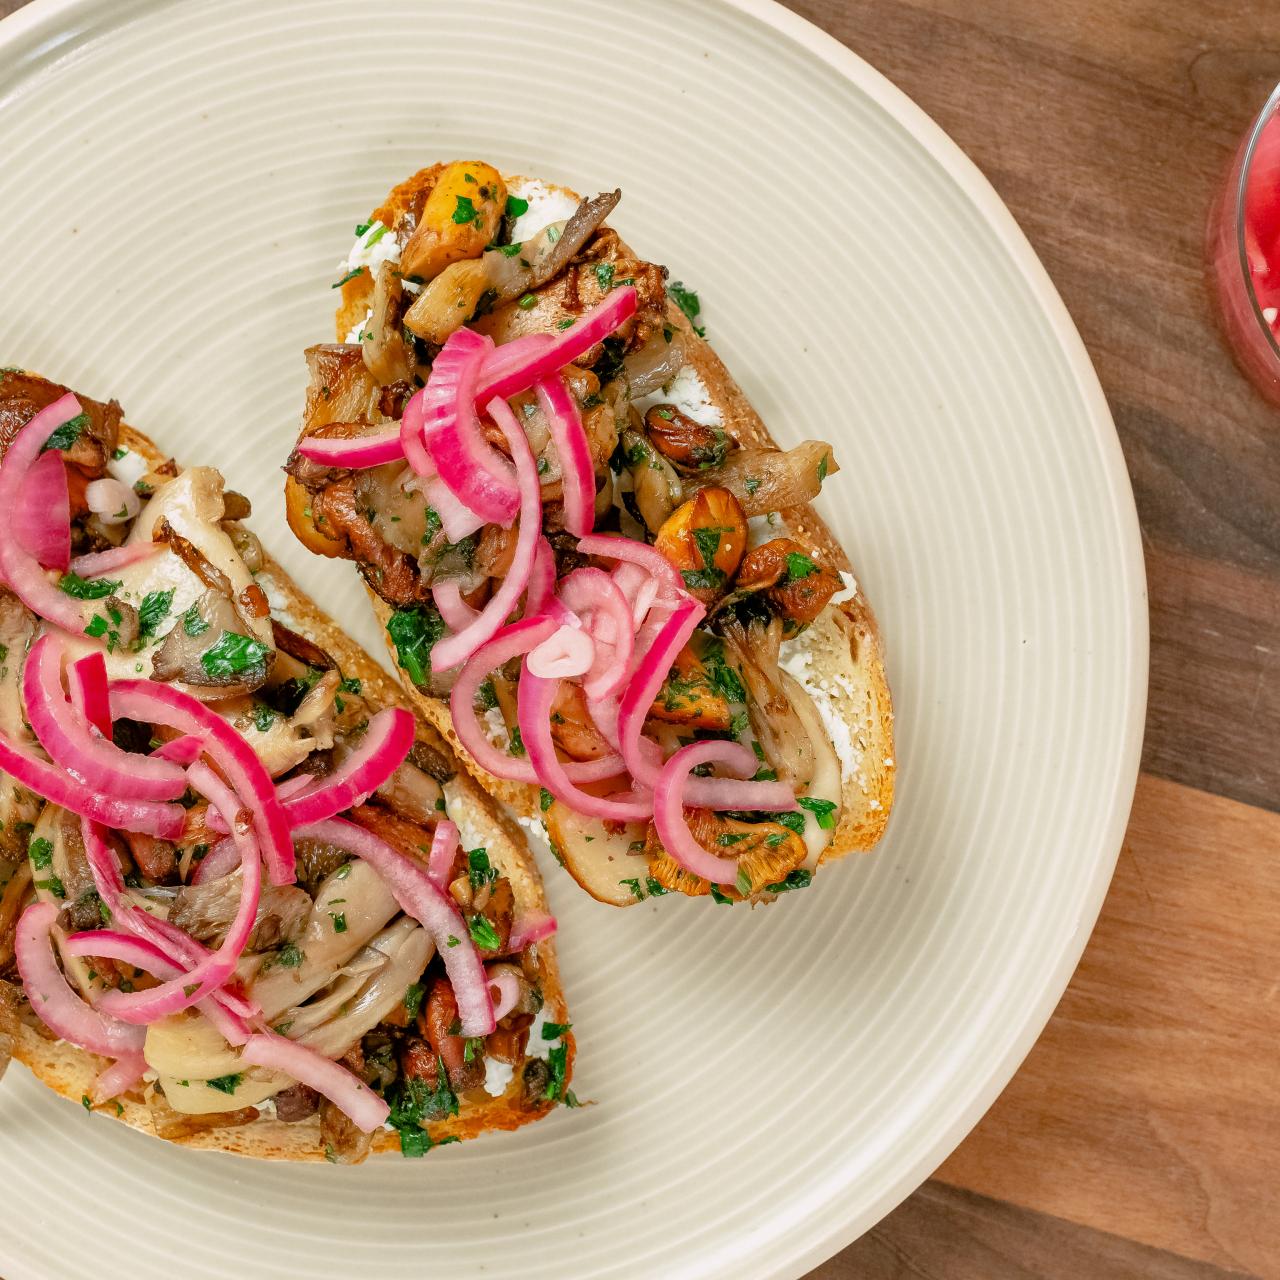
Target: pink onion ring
712,793
385,745
122,1075
456,612
542,580
87,686
220,861
534,701
26,579
456,518
578,475
530,928
155,703
42,522
216,967
616,547
98,563
226,1010
567,652
450,427
567,346
372,449
652,670
595,597
52,999
638,587
346,1091
72,743
668,806
111,944
507,985
53,784
184,750
444,851
418,897
511,642
458,647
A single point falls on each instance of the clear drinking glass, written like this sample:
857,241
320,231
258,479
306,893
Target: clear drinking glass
1244,251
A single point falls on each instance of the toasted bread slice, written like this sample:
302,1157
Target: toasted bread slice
70,1071
839,660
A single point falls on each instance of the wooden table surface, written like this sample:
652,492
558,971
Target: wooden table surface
1141,1138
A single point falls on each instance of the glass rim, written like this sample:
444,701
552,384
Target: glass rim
1263,118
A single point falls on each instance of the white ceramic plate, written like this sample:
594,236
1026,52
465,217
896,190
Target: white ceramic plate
181,181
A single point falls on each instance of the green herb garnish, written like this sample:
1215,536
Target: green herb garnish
414,633
231,654
85,588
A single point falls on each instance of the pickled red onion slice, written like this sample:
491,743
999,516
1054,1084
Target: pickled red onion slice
346,1091
51,996
42,522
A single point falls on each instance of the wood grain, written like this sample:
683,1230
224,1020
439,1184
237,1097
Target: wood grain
942,1233
1150,1107
1105,126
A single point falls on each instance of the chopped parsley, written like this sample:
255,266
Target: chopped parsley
708,577
688,302
646,888
54,885
40,851
724,677
87,589
339,919
465,211
413,1102
480,872
793,822
751,484
231,654
290,956
799,566
263,717
516,747
226,1084
192,623
351,275
604,275
350,685
822,467
65,436
738,725
718,896
414,994
797,879
558,1061
730,838
483,934
516,205
153,610
554,1030
823,810
414,633
473,1048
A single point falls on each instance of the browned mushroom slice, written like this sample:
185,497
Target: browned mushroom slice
765,480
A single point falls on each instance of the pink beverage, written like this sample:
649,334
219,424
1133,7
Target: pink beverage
1244,251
